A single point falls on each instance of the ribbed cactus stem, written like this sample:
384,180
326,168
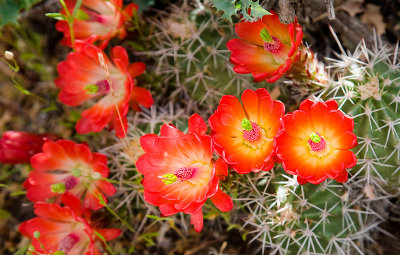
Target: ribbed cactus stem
192,60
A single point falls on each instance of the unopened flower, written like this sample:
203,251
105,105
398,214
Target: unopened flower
9,55
64,230
244,135
180,173
96,20
315,141
266,48
67,167
85,76
18,147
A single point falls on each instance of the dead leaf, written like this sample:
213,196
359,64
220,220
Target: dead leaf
352,7
275,93
373,17
369,192
345,197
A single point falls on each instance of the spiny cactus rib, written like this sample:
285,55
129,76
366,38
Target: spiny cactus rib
192,58
293,219
368,90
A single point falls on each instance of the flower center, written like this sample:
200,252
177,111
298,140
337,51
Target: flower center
318,145
185,173
70,182
251,131
101,87
274,46
68,242
58,188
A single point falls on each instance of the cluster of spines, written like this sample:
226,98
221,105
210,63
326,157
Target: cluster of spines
190,48
294,219
367,89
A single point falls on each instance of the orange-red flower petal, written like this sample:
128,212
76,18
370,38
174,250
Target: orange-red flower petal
265,60
188,159
229,136
18,147
66,229
58,165
104,20
295,143
83,77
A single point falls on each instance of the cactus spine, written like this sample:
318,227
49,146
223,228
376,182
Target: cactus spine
306,219
367,88
190,49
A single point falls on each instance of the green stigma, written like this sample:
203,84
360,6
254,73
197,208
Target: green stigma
265,35
36,234
58,188
59,253
169,179
91,89
315,138
82,15
246,124
76,172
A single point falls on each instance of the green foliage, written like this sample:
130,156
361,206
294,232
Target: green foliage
9,10
27,4
103,239
4,215
230,8
56,15
144,4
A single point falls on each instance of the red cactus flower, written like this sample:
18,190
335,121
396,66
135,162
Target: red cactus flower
244,135
179,171
315,142
67,167
18,147
96,20
267,48
66,229
89,75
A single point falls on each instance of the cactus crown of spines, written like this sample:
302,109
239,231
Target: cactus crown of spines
289,218
367,89
190,49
